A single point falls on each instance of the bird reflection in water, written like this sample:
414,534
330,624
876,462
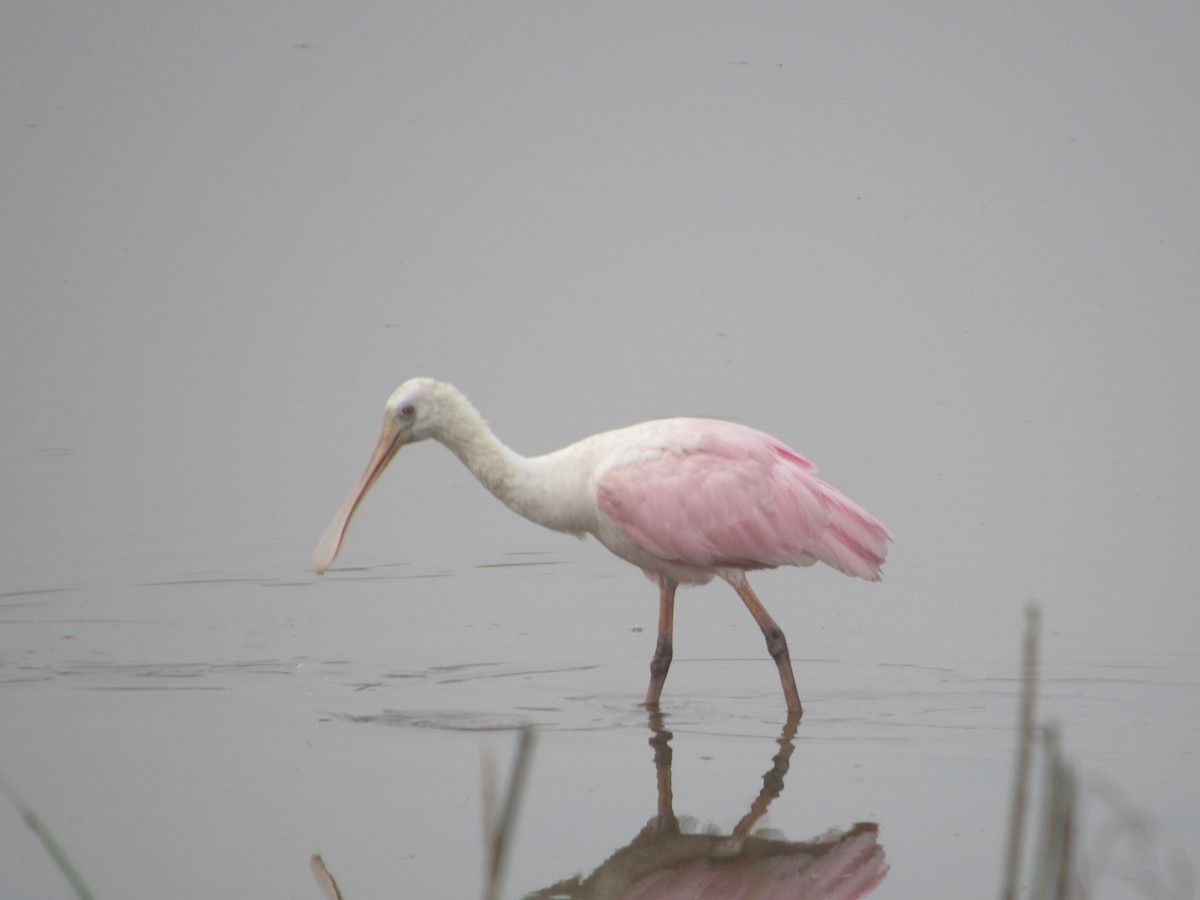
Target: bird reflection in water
664,861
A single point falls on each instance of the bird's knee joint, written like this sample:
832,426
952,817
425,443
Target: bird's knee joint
776,642
662,658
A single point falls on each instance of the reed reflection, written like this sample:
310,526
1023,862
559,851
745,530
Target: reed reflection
664,860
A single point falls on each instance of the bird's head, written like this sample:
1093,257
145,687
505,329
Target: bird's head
415,411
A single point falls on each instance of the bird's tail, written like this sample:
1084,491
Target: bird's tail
854,541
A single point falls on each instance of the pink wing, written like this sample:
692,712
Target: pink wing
719,494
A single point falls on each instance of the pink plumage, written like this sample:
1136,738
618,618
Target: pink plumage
711,494
685,500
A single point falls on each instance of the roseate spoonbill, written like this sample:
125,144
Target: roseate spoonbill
683,499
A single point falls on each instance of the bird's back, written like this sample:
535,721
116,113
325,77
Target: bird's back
709,494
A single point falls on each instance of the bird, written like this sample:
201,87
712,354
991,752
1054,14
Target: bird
686,500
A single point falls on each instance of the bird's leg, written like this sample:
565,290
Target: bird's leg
663,650
776,642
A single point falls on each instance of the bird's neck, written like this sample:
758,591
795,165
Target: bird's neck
526,485
493,463
503,471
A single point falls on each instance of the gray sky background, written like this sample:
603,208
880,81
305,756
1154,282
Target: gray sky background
949,254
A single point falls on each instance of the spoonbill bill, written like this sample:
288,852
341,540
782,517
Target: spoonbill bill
682,499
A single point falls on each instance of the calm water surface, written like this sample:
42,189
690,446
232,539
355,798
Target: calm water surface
215,729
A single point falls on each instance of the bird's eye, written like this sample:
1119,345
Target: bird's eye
407,410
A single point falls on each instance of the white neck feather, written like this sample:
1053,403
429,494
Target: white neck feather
530,486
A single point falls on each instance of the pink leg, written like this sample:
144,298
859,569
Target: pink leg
776,643
663,650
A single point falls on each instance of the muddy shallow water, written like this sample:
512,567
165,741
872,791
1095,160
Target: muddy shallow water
950,258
